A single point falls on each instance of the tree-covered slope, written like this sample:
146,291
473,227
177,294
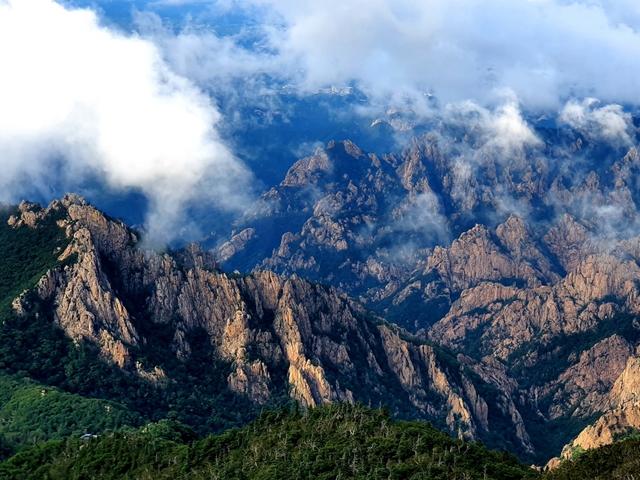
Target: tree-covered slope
26,254
332,442
31,413
619,461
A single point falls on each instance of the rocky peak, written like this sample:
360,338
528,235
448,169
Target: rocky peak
308,171
235,244
476,256
413,173
339,159
626,169
278,334
568,240
513,233
193,257
626,389
622,416
349,147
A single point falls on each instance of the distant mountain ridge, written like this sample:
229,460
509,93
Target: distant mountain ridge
523,365
253,339
547,300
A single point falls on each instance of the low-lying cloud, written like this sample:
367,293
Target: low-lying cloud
608,123
544,52
78,100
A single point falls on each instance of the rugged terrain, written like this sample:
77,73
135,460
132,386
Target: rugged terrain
521,331
515,364
523,366
526,269
263,337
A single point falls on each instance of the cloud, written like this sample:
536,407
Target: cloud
502,130
544,51
609,123
205,57
79,100
422,214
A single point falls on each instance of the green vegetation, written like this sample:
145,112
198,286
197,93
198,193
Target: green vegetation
27,254
33,346
31,413
620,461
326,443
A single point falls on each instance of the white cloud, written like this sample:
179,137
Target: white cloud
501,130
609,122
91,101
544,51
423,214
121,106
205,57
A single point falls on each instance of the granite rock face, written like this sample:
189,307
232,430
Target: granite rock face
406,233
620,418
499,328
525,270
278,334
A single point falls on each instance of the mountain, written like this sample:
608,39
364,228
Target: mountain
527,354
527,270
169,334
381,227
620,420
151,327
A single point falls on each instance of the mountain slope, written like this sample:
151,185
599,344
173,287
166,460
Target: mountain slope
32,413
525,266
523,359
619,461
324,443
170,334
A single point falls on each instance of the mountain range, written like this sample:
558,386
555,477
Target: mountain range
541,304
399,281
523,338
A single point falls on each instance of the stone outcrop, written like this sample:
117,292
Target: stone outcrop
236,243
622,416
503,319
512,328
584,388
277,334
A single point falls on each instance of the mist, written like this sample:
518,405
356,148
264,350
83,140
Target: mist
79,100
144,109
542,52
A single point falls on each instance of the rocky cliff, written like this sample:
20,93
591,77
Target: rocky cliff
278,335
621,415
525,267
520,325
